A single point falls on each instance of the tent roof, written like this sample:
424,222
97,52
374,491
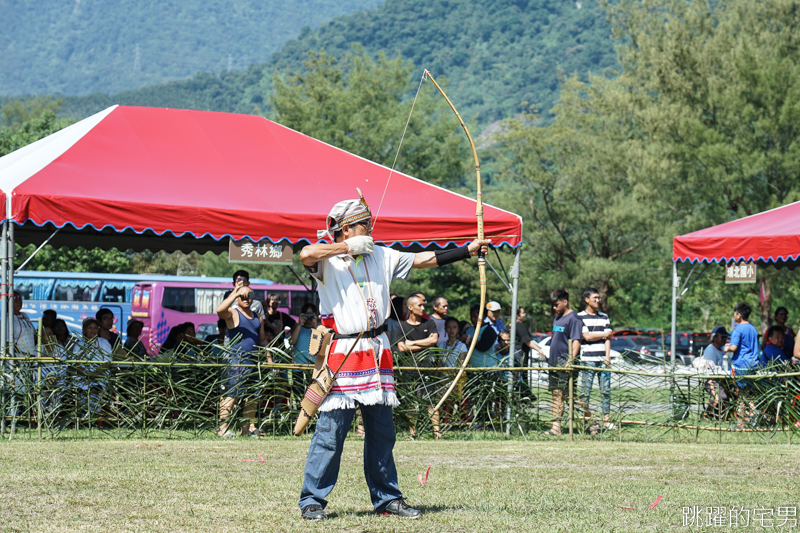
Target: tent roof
138,177
769,237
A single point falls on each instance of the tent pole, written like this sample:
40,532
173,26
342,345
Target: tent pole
3,320
10,315
511,344
10,287
675,282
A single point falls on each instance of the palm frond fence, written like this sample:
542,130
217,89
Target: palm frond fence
58,393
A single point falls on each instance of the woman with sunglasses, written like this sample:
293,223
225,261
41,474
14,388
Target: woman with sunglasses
244,335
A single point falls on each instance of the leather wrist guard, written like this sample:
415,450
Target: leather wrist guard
445,257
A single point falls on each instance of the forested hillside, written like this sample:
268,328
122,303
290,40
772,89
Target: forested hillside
84,46
500,56
699,126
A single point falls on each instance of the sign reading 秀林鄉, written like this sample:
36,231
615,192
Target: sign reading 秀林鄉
247,251
744,272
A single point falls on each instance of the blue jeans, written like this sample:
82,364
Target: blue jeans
603,378
325,454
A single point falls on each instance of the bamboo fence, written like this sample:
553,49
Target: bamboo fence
77,393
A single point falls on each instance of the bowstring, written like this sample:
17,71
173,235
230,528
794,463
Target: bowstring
397,154
380,204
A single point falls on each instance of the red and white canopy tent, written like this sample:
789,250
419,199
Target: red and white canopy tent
771,237
168,179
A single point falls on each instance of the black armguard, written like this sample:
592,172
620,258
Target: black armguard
445,257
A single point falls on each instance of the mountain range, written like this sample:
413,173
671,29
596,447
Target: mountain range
500,57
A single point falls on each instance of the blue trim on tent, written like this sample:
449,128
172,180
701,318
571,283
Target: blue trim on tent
228,236
732,259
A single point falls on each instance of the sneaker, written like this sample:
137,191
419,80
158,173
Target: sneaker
313,512
400,508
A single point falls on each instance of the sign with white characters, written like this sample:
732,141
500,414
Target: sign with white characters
247,251
741,272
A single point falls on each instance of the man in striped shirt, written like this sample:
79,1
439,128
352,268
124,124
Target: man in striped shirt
596,352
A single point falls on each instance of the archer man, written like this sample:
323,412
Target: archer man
354,278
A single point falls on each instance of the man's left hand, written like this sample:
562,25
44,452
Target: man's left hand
476,245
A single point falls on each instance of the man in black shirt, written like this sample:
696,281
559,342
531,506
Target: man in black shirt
525,342
565,345
415,335
279,320
418,332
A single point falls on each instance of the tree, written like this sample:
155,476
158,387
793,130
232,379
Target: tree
19,111
75,260
361,105
714,88
584,223
28,122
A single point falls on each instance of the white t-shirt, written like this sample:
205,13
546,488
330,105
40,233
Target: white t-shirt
452,357
99,349
354,297
24,335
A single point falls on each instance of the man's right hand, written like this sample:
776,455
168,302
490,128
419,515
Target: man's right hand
360,245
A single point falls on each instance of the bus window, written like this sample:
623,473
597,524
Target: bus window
25,289
112,295
204,330
259,294
207,300
300,298
179,299
76,290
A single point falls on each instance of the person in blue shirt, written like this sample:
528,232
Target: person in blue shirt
301,335
744,340
493,317
780,318
745,358
483,354
773,351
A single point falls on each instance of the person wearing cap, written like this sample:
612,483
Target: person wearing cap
716,356
493,317
714,351
354,277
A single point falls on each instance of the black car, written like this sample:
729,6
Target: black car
638,349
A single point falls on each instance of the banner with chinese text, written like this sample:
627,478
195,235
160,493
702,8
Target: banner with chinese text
246,251
741,273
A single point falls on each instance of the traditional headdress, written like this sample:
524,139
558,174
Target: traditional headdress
345,213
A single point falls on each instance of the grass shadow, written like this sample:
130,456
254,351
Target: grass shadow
426,509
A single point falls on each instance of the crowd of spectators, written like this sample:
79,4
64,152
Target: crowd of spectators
427,340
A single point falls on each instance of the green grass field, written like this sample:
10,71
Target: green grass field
480,485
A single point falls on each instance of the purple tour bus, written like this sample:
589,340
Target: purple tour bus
160,305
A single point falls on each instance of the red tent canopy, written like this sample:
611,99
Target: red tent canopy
138,177
769,237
